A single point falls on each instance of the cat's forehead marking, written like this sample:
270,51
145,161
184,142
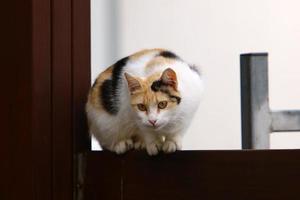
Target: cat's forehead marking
153,90
159,86
156,85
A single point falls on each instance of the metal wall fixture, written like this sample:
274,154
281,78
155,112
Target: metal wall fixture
258,120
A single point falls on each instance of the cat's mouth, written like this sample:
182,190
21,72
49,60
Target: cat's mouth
154,127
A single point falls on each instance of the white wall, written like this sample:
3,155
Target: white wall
212,34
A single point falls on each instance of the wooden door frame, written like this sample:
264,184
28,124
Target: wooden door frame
45,80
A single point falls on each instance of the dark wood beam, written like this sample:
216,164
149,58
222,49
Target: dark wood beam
190,175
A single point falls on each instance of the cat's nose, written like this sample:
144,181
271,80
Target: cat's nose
152,122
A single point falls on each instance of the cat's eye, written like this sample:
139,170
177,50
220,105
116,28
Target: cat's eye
141,107
162,104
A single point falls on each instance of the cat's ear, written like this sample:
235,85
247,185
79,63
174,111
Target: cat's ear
169,77
133,83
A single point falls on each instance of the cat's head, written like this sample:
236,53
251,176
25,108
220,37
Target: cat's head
155,98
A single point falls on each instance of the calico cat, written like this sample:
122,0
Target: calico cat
146,100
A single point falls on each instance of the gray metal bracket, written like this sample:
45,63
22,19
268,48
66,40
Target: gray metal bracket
258,120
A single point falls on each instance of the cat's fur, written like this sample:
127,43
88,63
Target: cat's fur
146,100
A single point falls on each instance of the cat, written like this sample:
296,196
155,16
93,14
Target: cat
146,100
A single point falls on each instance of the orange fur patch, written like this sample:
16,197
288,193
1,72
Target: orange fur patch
95,92
148,97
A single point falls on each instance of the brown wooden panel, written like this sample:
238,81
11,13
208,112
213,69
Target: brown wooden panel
45,76
81,77
15,100
62,99
81,71
25,119
189,175
41,100
103,176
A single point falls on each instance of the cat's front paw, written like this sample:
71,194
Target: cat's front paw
171,146
123,146
139,145
153,148
120,147
129,144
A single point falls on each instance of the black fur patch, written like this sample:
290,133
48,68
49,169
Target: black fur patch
108,98
195,69
117,71
109,95
168,54
178,99
156,85
160,86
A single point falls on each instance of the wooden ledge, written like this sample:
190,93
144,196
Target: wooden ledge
187,175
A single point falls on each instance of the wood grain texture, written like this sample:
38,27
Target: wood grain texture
16,99
41,89
81,82
62,136
81,72
25,117
103,176
187,175
41,129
